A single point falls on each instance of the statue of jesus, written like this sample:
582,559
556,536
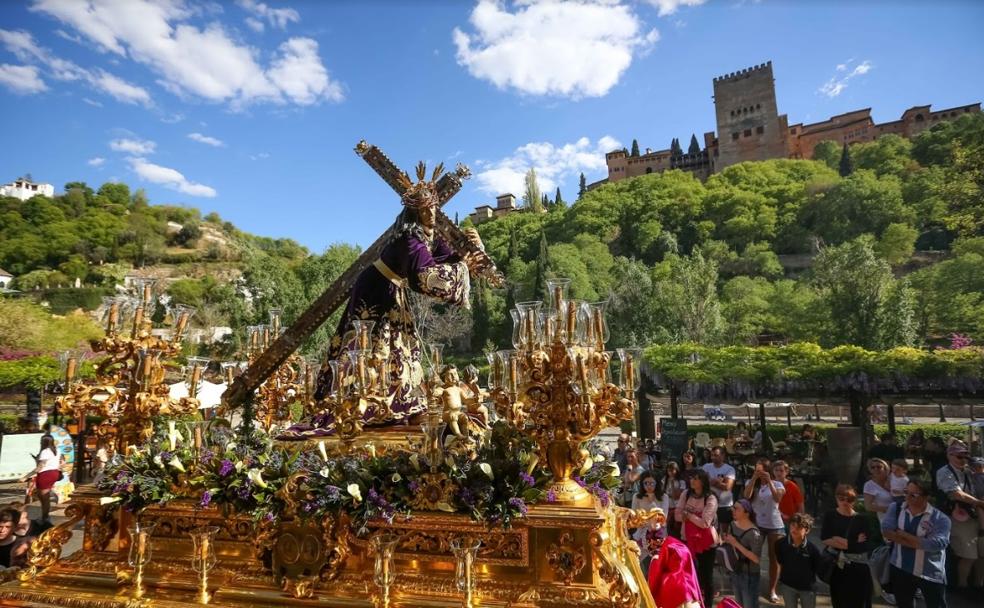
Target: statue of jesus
416,260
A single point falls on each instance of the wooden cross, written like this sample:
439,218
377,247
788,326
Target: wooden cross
338,292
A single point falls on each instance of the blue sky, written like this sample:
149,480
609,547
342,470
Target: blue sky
252,108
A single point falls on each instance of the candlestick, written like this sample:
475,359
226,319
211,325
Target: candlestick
629,373
599,329
266,337
513,374
147,294
114,314
137,320
198,438
196,376
70,370
180,326
571,321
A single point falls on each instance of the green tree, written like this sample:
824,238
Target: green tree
115,193
845,167
897,323
897,243
859,204
692,298
582,186
635,148
532,199
675,149
694,146
828,152
854,284
558,202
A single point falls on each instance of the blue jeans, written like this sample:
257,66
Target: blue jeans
807,599
746,587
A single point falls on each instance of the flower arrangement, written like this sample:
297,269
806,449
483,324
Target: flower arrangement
245,471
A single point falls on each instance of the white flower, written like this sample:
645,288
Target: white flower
353,489
324,472
443,506
614,471
371,449
599,458
256,476
396,478
321,449
532,465
157,460
415,461
588,463
176,463
487,469
108,500
230,446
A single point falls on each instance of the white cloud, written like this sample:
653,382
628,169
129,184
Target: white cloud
299,73
92,102
169,178
278,17
205,139
836,85
255,24
120,89
133,146
23,79
572,49
668,7
173,118
203,62
22,44
96,162
553,165
260,156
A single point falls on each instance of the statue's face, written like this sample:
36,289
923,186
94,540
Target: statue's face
428,216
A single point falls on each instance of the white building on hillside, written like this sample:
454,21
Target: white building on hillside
24,189
5,279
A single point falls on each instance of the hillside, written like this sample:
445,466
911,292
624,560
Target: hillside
881,248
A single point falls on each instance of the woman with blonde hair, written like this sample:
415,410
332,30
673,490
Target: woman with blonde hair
877,490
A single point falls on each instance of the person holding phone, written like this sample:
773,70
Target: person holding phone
766,494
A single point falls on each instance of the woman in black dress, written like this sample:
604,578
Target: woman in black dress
844,532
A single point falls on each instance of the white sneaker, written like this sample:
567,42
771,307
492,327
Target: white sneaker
889,598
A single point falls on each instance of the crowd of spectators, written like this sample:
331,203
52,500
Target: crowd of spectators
915,528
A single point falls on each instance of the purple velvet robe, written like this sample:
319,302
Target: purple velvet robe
432,269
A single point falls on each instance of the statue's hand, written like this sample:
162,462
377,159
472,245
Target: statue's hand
475,239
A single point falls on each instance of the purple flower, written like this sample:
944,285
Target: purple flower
467,497
226,468
270,516
414,486
551,496
206,499
527,478
166,456
518,504
205,455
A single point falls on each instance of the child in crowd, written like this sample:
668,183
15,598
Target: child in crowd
899,479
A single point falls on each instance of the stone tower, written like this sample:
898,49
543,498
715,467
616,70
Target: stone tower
749,126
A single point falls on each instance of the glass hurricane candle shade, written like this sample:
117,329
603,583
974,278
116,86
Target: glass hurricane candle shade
363,334
557,293
465,552
139,554
629,358
495,371
203,558
383,546
593,327
528,317
359,366
147,360
276,315
435,353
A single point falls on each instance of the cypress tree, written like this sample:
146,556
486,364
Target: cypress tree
546,203
542,265
582,187
694,146
675,149
558,200
635,148
846,165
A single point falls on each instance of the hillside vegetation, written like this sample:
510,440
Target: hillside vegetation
678,259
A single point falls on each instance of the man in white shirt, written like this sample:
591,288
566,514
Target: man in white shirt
722,476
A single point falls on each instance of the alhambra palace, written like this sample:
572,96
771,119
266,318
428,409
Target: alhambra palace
749,127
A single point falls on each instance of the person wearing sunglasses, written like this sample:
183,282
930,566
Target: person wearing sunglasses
844,532
920,534
953,481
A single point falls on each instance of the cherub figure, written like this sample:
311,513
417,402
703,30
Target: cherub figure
452,398
476,399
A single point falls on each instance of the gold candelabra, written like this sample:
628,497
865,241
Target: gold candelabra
129,387
556,382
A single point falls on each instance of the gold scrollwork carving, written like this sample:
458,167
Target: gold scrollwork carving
46,549
565,558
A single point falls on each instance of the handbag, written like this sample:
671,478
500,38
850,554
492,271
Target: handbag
698,539
826,565
727,556
879,563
